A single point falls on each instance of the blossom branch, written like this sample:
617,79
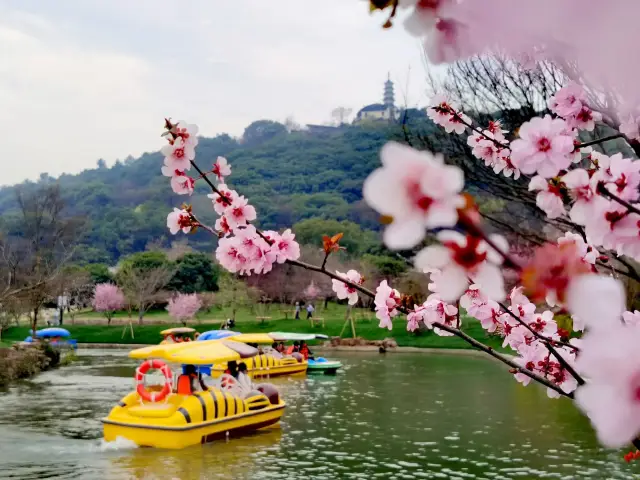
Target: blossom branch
460,119
548,343
455,331
606,193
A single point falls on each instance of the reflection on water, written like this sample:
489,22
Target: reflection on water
394,416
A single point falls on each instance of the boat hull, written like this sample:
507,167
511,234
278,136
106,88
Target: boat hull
185,420
263,366
326,367
188,435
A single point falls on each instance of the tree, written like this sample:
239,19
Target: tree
195,272
99,273
235,294
261,131
142,282
183,307
36,244
108,299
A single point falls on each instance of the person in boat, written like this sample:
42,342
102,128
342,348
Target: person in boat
295,348
281,348
275,353
190,381
304,350
232,369
243,377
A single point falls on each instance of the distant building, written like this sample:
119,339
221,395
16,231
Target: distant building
385,111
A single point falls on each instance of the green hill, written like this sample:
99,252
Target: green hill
289,177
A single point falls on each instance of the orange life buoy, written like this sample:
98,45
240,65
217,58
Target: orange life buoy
166,388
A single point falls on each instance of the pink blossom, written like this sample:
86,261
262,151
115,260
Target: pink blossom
183,307
632,319
568,101
178,155
222,226
224,199
107,298
544,324
239,213
438,311
246,252
549,197
312,291
345,291
577,324
585,119
440,110
417,190
610,360
457,123
611,225
621,176
505,165
386,301
423,17
629,128
494,130
544,146
530,357
179,220
187,132
558,375
284,245
517,297
415,317
473,296
597,300
582,191
180,183
489,315
221,168
588,253
462,257
485,150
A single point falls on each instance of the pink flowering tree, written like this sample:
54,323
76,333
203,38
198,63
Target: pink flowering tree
108,299
183,307
593,196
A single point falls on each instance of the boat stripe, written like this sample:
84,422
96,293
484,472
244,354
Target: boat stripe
232,405
185,414
215,403
192,426
224,400
204,408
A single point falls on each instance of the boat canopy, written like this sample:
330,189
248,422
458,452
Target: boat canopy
287,337
253,338
196,353
216,335
52,332
178,330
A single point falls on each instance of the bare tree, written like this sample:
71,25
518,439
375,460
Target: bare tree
36,245
142,287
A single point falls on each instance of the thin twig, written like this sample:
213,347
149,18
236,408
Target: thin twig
599,140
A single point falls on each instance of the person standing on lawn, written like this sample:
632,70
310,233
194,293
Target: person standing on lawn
297,310
310,311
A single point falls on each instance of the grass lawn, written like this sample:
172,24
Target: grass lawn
334,318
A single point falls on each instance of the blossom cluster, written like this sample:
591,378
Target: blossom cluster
241,247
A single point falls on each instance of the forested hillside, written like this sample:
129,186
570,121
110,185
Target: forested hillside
288,176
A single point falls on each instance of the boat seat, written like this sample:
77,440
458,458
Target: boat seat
153,410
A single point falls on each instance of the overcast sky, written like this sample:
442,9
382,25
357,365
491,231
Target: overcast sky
88,79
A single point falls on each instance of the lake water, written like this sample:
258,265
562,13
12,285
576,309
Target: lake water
391,416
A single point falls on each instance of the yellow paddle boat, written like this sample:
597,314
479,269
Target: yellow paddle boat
175,415
268,362
177,335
